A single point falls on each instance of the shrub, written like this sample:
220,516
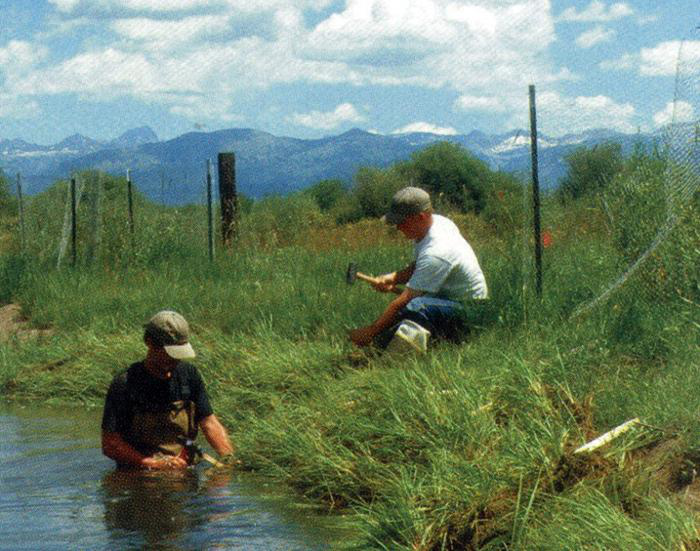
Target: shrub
450,174
590,170
374,189
327,193
8,202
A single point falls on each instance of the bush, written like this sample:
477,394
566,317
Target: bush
590,171
8,201
451,174
641,205
327,193
374,189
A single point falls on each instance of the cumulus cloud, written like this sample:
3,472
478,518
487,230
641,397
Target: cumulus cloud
596,35
159,34
438,43
597,11
177,51
18,54
426,127
678,112
661,60
558,115
16,107
345,112
121,7
493,104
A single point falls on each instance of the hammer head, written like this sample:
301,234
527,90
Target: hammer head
351,273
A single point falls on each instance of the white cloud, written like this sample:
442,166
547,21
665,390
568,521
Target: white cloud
176,52
69,6
16,107
345,112
107,73
159,34
481,103
19,54
596,35
437,43
664,59
678,112
204,107
559,115
625,63
121,7
597,11
426,127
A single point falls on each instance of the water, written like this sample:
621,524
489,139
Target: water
57,491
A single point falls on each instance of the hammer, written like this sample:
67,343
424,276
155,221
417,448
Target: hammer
352,274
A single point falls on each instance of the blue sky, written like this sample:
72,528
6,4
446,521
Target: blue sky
310,68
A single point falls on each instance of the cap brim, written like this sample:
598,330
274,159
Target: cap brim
180,351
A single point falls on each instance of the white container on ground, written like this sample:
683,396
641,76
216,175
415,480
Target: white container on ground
409,337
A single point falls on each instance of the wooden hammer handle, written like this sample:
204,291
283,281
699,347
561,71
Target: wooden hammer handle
373,281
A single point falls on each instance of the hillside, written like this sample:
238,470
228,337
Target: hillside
173,171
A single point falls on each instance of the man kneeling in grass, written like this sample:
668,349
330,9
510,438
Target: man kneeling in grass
157,405
444,275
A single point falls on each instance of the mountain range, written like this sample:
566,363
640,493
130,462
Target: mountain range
173,171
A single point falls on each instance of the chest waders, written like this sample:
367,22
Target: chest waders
164,432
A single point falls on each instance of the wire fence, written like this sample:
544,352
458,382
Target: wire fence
640,203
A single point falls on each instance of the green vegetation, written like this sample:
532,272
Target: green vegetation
468,447
591,170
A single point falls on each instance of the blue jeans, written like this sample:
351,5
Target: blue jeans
443,318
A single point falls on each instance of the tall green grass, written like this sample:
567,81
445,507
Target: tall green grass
467,447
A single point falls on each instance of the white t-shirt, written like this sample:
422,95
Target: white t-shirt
446,266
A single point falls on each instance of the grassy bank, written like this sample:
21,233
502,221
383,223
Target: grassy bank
467,447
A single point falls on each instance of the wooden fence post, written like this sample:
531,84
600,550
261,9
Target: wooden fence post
229,198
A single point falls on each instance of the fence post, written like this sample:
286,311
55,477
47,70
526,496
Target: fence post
227,193
131,205
73,225
535,192
210,214
20,206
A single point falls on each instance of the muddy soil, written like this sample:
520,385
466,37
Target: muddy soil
14,325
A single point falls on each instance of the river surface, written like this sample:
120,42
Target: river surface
57,491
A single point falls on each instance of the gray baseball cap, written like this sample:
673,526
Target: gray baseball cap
171,331
407,202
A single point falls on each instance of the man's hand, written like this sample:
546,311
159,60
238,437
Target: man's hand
362,336
163,463
385,283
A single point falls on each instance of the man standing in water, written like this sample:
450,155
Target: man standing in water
157,405
444,275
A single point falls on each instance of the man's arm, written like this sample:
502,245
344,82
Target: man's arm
216,434
115,447
386,283
364,335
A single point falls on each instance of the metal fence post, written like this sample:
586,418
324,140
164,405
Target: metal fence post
535,192
130,205
210,214
74,224
20,206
